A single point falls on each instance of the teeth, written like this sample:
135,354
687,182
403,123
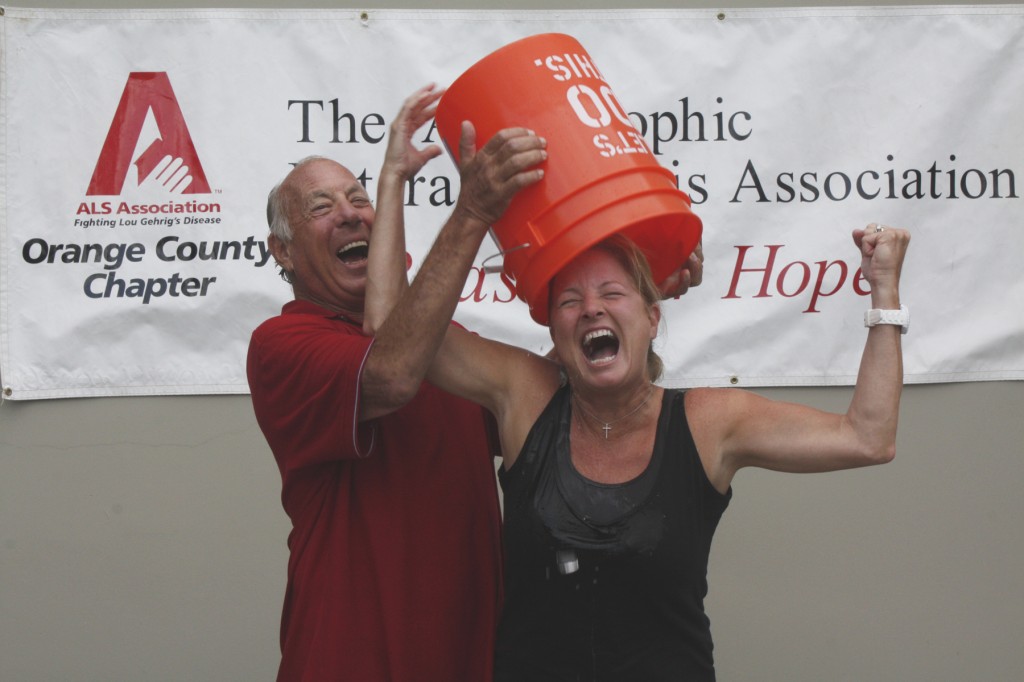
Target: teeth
353,245
600,346
596,334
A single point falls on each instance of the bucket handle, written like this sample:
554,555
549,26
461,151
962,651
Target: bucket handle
491,269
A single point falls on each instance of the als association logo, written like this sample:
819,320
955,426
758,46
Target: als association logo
149,134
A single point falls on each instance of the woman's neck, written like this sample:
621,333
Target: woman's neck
613,410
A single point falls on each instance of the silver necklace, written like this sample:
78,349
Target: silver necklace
607,426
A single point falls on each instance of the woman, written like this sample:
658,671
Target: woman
614,485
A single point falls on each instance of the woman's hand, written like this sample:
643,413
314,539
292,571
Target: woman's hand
402,158
882,251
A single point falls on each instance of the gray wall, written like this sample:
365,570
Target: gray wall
143,538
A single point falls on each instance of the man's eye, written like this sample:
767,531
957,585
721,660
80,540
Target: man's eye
360,202
566,302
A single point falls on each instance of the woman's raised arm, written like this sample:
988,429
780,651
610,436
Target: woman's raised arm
735,429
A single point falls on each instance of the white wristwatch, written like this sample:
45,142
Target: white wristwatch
878,316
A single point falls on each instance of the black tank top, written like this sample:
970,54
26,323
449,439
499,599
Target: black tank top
607,581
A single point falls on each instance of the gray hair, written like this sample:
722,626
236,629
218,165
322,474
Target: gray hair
277,210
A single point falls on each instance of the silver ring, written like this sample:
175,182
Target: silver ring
879,228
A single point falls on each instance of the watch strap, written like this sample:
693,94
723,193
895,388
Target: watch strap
876,316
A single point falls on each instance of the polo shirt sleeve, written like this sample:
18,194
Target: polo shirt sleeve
304,376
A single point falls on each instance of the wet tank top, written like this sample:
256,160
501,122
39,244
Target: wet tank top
607,581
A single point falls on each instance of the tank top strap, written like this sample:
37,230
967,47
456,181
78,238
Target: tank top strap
544,436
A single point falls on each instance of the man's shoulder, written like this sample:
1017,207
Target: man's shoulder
297,316
304,329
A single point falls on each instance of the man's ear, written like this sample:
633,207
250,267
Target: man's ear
279,249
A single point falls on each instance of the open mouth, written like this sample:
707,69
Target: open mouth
600,346
354,253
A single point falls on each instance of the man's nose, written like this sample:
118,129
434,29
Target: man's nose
347,214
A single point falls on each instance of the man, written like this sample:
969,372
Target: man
395,566
394,571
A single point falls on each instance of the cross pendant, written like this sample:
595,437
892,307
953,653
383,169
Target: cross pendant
606,428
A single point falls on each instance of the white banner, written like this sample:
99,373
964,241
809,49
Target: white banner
788,128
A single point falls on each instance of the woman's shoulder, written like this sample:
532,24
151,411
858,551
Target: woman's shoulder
713,412
707,398
535,384
537,379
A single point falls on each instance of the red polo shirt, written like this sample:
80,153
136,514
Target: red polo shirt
395,565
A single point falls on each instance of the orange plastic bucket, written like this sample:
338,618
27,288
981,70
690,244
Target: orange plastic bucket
600,177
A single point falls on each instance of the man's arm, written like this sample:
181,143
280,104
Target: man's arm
406,342
689,274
